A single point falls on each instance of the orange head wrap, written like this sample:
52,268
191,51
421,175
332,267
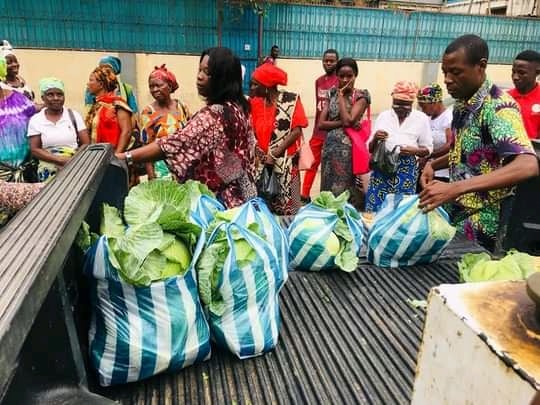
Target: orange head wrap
405,91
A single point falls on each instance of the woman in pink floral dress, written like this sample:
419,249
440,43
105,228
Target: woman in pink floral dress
217,146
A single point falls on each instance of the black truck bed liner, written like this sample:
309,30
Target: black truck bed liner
345,339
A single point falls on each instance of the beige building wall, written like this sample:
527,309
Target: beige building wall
73,67
480,7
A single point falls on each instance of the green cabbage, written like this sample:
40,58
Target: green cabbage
345,258
439,228
85,238
475,267
163,201
210,264
159,238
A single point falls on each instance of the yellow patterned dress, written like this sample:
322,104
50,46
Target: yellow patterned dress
158,124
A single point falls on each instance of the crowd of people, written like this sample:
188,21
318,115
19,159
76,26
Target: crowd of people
467,157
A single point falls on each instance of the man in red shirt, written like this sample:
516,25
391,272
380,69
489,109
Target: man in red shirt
272,58
525,70
322,85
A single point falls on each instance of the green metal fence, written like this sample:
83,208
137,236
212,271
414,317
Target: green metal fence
301,31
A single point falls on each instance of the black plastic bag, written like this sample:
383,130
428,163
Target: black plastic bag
384,161
268,185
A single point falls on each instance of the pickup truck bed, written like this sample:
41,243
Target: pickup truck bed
345,338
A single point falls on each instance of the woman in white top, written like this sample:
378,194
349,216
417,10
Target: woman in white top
405,131
55,132
430,102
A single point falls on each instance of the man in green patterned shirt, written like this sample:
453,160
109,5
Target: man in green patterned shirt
490,150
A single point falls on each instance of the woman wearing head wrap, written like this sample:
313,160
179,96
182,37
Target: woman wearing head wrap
109,118
15,112
217,146
345,108
123,89
163,117
55,132
430,102
13,81
278,118
405,131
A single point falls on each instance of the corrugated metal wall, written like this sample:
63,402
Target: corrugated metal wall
306,31
171,26
188,26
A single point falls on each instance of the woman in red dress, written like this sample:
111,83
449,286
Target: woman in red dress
278,118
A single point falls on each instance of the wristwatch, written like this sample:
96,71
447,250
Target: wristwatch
129,159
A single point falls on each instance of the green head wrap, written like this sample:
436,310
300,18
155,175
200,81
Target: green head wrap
50,83
3,68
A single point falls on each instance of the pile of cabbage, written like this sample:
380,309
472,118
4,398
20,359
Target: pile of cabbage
475,267
211,262
326,234
403,235
155,237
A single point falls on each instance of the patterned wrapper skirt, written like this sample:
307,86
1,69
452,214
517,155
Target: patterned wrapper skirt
288,201
46,171
403,182
337,168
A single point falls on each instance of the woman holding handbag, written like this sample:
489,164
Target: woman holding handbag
278,118
403,134
345,159
55,132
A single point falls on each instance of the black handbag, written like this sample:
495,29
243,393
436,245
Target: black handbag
384,161
268,185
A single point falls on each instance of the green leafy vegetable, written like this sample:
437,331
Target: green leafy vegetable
209,267
85,238
163,201
111,222
177,252
159,239
475,267
339,245
439,228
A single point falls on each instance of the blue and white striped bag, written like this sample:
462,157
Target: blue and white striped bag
204,209
309,246
137,332
248,324
256,211
402,235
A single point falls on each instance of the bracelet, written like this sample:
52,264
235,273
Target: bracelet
129,159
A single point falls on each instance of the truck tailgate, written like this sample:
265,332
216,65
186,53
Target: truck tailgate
345,338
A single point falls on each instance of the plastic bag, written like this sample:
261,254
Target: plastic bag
243,311
204,210
307,159
137,332
326,234
384,161
402,235
268,185
359,137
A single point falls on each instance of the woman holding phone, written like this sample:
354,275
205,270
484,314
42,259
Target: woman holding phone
345,108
